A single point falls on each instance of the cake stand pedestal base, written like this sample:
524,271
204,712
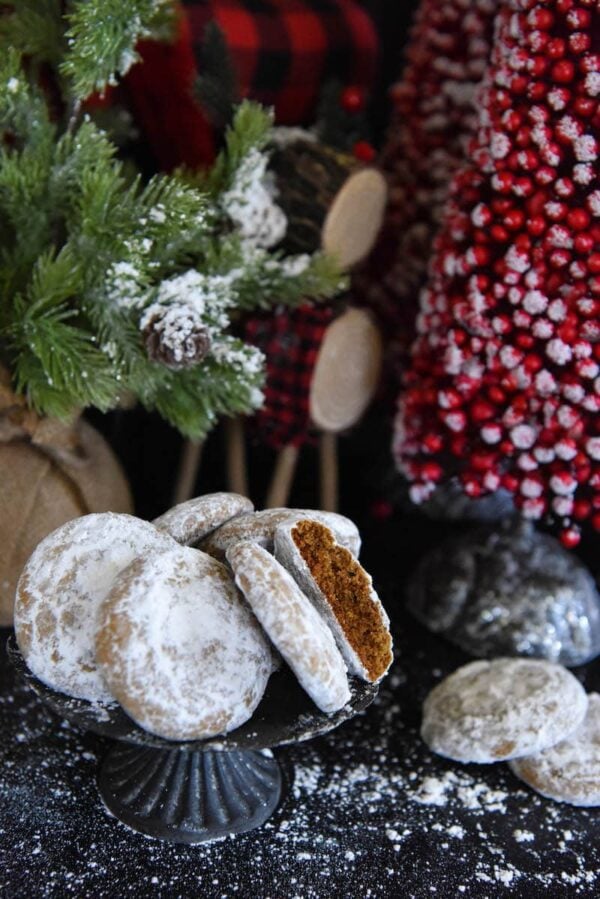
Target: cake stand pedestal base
189,796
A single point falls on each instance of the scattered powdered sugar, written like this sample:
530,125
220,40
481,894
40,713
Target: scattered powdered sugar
462,787
354,822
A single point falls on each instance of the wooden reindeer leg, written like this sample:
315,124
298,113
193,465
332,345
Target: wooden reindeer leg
328,471
189,464
281,482
237,475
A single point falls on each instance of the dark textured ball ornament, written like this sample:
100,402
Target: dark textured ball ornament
509,591
449,502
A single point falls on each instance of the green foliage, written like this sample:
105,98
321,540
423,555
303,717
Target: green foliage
35,29
249,130
102,36
87,248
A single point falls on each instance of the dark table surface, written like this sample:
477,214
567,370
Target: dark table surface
369,811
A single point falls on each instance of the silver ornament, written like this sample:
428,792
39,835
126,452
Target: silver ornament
509,591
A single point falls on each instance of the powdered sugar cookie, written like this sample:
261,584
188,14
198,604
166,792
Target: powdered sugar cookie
179,648
60,592
260,528
292,623
343,593
189,522
503,709
569,771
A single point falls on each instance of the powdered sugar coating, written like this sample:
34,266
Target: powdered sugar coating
292,623
290,557
570,770
502,709
60,592
179,648
260,528
189,522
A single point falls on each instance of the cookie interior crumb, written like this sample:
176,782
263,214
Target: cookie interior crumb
348,590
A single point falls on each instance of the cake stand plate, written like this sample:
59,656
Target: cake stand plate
198,790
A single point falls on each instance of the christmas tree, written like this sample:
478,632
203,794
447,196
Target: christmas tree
434,113
111,286
503,385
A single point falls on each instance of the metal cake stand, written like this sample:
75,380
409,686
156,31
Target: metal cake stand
201,790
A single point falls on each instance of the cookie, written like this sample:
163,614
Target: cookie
179,648
570,770
343,593
189,522
260,528
60,592
489,711
292,623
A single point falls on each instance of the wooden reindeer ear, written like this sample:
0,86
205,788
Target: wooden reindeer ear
354,218
347,371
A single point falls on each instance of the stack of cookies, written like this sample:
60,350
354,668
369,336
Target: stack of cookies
183,620
532,713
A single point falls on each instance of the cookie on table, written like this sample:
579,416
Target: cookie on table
570,770
489,711
260,528
292,623
189,522
60,592
343,593
180,649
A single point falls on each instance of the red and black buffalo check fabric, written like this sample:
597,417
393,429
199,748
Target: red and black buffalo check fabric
290,339
283,52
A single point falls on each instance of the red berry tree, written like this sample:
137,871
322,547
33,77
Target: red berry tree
434,115
504,380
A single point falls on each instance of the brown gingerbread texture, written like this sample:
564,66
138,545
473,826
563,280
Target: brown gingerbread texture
342,591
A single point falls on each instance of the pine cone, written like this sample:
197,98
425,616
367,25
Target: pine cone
175,337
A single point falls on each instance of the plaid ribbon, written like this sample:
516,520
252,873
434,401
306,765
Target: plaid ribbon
290,339
284,52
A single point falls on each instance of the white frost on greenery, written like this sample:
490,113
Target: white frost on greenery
207,297
186,303
284,135
243,358
250,202
123,285
178,326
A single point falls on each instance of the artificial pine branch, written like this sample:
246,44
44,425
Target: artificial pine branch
102,36
35,30
92,259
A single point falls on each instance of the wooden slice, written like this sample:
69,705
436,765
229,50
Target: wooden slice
331,202
354,218
347,371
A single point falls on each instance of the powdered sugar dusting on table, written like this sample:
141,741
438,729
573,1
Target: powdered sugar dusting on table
357,817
